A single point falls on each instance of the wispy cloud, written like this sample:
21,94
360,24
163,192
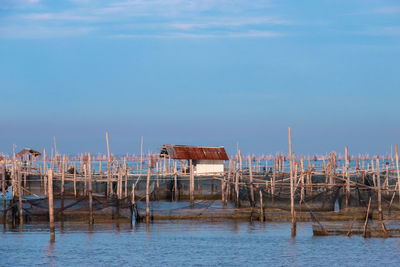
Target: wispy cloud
175,35
151,18
388,10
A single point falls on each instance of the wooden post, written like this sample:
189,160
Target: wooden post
175,185
91,220
126,179
133,194
191,184
366,219
20,205
62,176
3,189
378,181
261,207
51,204
251,183
397,170
302,180
109,182
237,184
148,193
292,211
347,176
74,180
141,153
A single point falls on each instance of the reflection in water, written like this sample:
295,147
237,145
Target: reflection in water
189,242
51,256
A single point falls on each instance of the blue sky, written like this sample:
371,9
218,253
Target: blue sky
213,72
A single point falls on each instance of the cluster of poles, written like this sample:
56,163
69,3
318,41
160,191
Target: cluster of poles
240,172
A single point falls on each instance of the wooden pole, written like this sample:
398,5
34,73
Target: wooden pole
237,184
20,205
251,183
109,183
366,219
347,176
126,179
175,185
191,184
91,219
141,153
292,211
3,189
378,181
51,204
261,207
74,180
63,176
397,170
148,193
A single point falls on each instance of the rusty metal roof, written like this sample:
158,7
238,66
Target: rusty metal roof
194,152
28,151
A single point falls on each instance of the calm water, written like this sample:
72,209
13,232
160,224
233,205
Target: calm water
190,243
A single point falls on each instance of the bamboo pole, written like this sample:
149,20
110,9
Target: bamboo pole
51,205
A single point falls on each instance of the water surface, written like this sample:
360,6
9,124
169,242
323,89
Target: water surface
190,243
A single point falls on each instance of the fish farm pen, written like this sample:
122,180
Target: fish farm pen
339,195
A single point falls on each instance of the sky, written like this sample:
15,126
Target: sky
205,72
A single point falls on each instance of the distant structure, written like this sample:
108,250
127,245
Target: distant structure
28,153
206,160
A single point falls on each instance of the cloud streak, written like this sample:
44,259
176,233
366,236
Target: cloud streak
149,19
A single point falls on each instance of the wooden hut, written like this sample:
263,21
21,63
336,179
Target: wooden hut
206,160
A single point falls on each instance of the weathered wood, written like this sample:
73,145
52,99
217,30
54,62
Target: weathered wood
397,170
74,181
251,183
91,219
109,182
292,211
366,219
62,176
378,180
148,193
191,186
51,204
347,176
261,207
20,204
